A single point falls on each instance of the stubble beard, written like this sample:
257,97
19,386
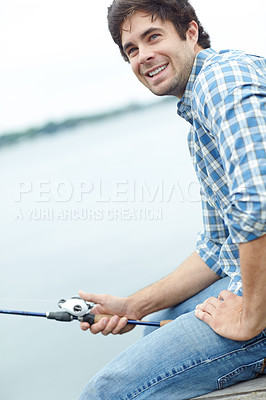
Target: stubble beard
178,84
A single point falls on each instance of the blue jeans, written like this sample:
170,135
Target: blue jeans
182,360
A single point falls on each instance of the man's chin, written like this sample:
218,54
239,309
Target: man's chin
166,90
160,91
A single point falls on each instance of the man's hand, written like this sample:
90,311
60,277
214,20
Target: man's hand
118,307
241,318
225,316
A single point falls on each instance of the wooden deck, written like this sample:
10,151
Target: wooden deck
250,390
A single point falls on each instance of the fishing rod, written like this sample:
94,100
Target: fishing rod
76,308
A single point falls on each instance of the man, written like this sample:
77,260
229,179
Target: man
217,296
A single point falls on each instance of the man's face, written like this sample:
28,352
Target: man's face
159,58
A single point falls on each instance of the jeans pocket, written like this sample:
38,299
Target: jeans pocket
242,373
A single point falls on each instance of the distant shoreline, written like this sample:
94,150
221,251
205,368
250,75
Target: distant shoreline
52,128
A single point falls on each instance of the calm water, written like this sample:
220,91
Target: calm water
109,207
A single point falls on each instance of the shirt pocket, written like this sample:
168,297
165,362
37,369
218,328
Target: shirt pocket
242,373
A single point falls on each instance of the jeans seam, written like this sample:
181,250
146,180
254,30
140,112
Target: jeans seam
223,380
164,379
208,361
262,368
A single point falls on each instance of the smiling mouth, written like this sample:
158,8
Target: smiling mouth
156,71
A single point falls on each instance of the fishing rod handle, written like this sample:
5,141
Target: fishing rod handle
165,321
93,318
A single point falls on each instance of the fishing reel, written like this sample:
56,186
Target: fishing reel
75,306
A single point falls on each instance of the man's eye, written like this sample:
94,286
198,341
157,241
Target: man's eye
131,51
154,36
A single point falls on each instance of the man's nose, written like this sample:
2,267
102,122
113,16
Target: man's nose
145,55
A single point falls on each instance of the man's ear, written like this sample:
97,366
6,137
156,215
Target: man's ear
192,33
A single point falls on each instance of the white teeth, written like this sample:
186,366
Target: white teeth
156,71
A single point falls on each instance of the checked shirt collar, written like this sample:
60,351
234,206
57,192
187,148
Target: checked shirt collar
184,105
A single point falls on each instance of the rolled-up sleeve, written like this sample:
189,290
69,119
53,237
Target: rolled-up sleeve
241,131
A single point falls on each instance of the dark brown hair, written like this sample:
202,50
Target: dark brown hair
179,12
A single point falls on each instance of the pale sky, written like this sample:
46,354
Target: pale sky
58,59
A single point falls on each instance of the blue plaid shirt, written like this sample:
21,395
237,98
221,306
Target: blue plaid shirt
225,102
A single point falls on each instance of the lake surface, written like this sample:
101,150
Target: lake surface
108,207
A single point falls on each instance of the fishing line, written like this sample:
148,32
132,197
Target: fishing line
26,300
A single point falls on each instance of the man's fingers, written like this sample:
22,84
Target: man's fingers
120,326
224,294
97,309
99,326
106,326
84,326
209,305
83,295
112,323
213,301
203,316
94,298
207,310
